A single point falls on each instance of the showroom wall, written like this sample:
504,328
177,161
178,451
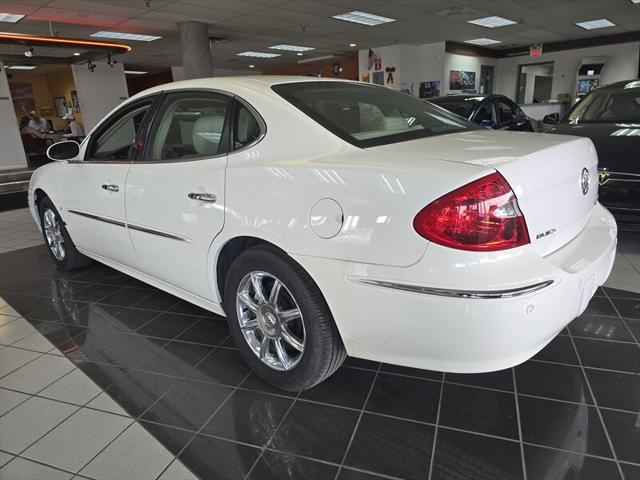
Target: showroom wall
622,64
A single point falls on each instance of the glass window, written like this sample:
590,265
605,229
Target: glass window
247,129
505,111
369,115
460,105
484,113
608,106
189,125
118,141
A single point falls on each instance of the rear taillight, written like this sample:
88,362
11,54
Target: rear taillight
481,216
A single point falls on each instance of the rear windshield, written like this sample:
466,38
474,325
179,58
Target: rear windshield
608,106
459,106
369,115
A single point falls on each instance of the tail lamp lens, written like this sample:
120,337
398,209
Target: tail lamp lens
480,216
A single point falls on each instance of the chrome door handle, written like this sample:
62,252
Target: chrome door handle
110,187
203,197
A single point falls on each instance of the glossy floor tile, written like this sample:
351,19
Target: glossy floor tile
173,370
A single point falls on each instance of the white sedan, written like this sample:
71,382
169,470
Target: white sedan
327,218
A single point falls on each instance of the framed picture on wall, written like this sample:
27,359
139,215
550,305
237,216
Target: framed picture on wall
461,80
75,103
61,106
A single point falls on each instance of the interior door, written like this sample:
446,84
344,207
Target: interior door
175,195
93,189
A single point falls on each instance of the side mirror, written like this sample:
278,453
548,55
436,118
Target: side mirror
66,150
488,124
551,119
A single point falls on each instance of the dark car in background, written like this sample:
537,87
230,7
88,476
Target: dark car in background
610,117
490,111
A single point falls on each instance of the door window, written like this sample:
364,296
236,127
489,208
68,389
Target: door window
484,113
116,140
188,126
506,112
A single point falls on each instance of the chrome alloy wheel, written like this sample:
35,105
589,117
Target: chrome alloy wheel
52,231
270,320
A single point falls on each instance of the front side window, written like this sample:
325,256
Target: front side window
506,112
369,115
117,141
459,106
608,106
189,125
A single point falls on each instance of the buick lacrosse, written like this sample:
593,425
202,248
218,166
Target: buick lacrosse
326,218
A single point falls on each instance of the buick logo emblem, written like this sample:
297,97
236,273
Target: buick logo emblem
603,177
584,181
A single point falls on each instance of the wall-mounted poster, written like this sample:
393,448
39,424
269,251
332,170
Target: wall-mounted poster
459,80
429,89
75,103
61,106
390,71
378,78
23,99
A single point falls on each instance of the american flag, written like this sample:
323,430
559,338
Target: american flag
372,59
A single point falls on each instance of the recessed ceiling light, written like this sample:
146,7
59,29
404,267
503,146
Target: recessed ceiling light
252,66
76,54
355,45
126,36
259,54
593,24
299,54
134,72
10,17
21,67
292,48
482,41
492,22
363,18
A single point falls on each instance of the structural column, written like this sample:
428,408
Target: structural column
194,43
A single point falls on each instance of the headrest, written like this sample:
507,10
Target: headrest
206,134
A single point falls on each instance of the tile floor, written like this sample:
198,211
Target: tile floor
17,230
161,368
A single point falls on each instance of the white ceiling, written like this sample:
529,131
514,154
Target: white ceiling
257,24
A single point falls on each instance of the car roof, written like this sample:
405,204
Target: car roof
468,96
234,84
625,84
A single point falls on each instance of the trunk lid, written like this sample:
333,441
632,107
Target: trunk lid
554,177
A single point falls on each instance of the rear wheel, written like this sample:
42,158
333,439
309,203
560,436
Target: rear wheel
280,320
57,239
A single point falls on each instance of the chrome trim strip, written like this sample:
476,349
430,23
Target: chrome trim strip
444,292
129,225
99,218
156,232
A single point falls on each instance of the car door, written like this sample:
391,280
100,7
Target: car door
93,189
175,194
484,113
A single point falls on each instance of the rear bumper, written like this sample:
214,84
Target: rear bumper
428,327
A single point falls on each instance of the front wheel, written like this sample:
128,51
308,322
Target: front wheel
280,320
57,239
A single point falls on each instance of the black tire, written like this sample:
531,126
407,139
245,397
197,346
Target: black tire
72,259
323,351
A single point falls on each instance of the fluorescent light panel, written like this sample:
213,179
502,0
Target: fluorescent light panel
492,22
482,41
21,67
10,17
134,72
292,48
363,18
259,54
125,36
593,24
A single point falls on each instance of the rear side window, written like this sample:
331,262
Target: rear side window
369,115
189,125
246,127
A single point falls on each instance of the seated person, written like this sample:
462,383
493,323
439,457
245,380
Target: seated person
76,130
27,129
38,123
